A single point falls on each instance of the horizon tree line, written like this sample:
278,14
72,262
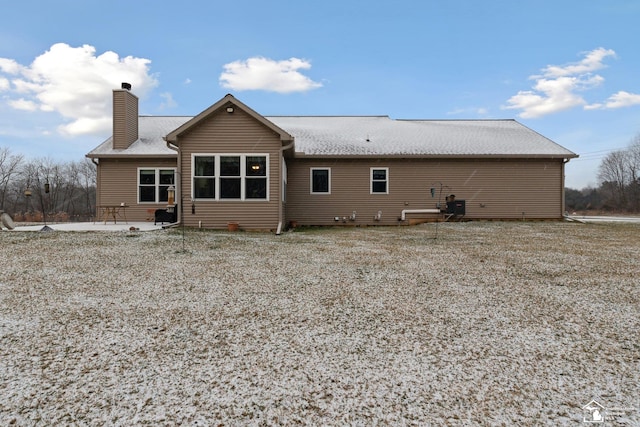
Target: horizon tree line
44,189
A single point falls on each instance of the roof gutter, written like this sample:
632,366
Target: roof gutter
565,157
131,156
280,210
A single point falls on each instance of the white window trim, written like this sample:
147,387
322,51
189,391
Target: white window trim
371,181
311,170
243,176
157,184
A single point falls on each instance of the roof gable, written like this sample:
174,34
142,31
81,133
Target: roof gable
228,101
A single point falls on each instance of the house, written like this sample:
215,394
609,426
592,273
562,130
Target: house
231,164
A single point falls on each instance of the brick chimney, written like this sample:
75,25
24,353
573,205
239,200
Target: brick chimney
125,117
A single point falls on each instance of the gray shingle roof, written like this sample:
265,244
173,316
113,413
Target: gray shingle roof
151,129
382,136
325,136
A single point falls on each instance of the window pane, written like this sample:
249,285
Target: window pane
256,166
204,166
147,177
147,193
380,174
166,177
379,186
229,188
203,188
320,181
256,188
229,166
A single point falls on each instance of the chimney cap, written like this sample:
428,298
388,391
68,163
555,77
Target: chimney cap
126,86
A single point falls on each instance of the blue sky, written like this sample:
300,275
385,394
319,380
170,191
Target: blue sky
567,69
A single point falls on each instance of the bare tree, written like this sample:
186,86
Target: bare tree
633,161
614,175
619,175
88,176
9,168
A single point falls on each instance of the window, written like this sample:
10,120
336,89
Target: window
230,177
256,177
320,181
380,180
153,184
204,177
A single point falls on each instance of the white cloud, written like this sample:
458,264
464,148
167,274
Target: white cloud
548,96
558,88
9,66
86,125
23,104
592,61
4,84
260,73
622,99
76,83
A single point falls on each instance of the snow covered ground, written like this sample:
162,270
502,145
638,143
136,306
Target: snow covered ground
92,226
489,324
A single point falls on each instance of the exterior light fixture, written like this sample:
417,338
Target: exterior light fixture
27,192
230,109
47,187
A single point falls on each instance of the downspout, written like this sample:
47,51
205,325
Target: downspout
96,162
562,195
280,213
175,148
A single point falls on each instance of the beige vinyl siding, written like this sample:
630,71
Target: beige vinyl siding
236,133
125,119
118,183
493,189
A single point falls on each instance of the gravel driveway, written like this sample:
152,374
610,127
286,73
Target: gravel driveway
489,324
